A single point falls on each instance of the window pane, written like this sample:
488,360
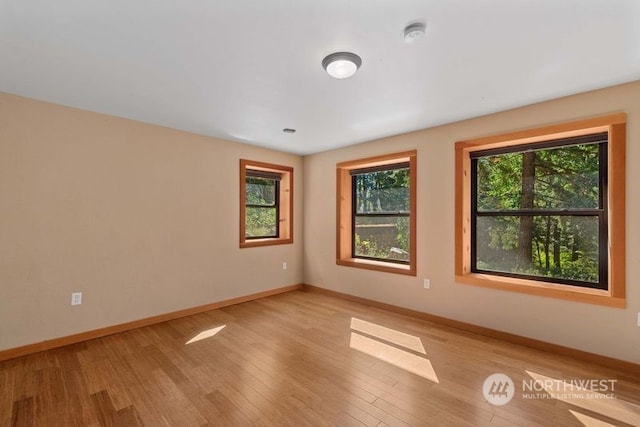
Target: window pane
561,247
261,191
385,238
558,178
261,222
382,191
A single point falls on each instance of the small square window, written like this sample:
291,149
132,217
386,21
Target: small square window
262,214
266,204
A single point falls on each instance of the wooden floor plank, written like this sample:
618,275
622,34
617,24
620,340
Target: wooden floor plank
104,409
23,412
289,360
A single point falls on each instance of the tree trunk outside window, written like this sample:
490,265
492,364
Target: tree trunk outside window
525,235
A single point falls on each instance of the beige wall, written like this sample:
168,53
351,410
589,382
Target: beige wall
143,220
602,330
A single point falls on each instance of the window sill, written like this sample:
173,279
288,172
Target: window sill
532,287
265,242
388,267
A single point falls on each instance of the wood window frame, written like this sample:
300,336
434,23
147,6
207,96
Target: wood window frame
344,213
615,295
285,204
275,178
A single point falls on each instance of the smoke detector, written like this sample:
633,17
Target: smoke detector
414,32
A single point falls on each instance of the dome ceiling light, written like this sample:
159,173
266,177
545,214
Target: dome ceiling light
341,65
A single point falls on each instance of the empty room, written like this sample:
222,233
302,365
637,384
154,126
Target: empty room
320,213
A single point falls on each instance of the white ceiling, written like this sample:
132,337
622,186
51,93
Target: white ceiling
245,69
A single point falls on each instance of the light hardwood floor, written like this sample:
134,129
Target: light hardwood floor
300,359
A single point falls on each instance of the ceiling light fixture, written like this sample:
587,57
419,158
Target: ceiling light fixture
414,32
341,65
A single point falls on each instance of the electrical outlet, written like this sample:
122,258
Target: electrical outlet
284,265
76,298
427,283
639,319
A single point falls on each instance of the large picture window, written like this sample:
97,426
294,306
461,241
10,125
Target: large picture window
543,211
376,222
266,204
540,211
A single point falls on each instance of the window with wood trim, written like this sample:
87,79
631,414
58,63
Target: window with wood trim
262,214
542,211
376,214
266,204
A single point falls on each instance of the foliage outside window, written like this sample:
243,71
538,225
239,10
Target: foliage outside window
262,209
376,213
542,211
381,213
266,204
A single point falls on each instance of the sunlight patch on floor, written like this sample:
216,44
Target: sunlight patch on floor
593,401
588,421
387,334
205,334
378,348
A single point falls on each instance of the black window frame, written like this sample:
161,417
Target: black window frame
601,139
354,208
276,177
